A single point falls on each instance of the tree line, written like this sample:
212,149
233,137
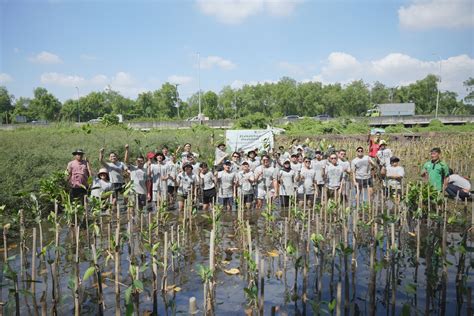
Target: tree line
286,97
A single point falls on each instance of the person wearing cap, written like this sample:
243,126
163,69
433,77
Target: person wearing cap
286,183
208,184
383,154
245,182
318,164
394,174
436,170
306,183
138,176
186,182
220,156
115,169
266,178
458,186
101,184
294,163
78,171
373,144
226,180
361,167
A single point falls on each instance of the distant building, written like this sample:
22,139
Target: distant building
20,119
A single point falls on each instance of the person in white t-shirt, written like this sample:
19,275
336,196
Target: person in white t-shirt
246,180
394,175
458,186
286,183
384,154
138,177
334,176
186,182
266,177
208,184
361,169
306,183
227,185
116,169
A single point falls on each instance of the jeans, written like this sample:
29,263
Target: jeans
453,190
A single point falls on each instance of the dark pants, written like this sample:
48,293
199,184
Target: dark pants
78,194
453,190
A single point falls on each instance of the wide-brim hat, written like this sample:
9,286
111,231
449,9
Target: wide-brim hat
103,171
78,152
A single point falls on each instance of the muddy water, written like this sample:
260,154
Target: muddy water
394,282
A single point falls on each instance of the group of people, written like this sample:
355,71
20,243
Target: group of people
254,179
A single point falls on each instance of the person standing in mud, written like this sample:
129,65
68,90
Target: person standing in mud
78,171
115,169
436,170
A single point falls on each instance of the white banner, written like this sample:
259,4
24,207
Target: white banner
246,140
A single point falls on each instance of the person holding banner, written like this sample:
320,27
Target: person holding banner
266,177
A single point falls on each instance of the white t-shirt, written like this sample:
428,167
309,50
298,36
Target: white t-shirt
265,181
226,184
115,171
172,169
245,180
186,182
100,186
207,180
158,171
253,164
138,177
346,166
384,156
334,176
287,182
398,171
361,167
459,181
306,185
319,166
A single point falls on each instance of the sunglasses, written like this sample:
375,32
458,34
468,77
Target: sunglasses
359,151
332,158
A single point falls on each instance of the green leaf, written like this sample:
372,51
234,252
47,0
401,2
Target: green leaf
332,305
90,271
128,294
138,285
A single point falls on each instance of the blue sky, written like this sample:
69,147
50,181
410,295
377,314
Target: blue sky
135,46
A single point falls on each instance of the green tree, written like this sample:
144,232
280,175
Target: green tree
379,94
469,85
356,98
209,105
6,106
44,105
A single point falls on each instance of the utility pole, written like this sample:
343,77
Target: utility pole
78,110
437,85
199,84
177,96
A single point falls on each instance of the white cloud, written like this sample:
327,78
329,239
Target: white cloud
122,82
45,58
236,11
396,69
428,14
5,78
54,78
181,80
216,61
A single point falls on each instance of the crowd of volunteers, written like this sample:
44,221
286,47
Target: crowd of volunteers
254,178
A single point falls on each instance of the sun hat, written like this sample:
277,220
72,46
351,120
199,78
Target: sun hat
103,171
78,152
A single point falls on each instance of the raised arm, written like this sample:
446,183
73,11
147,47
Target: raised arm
125,159
101,157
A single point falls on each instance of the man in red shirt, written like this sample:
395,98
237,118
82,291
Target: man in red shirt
78,171
374,144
